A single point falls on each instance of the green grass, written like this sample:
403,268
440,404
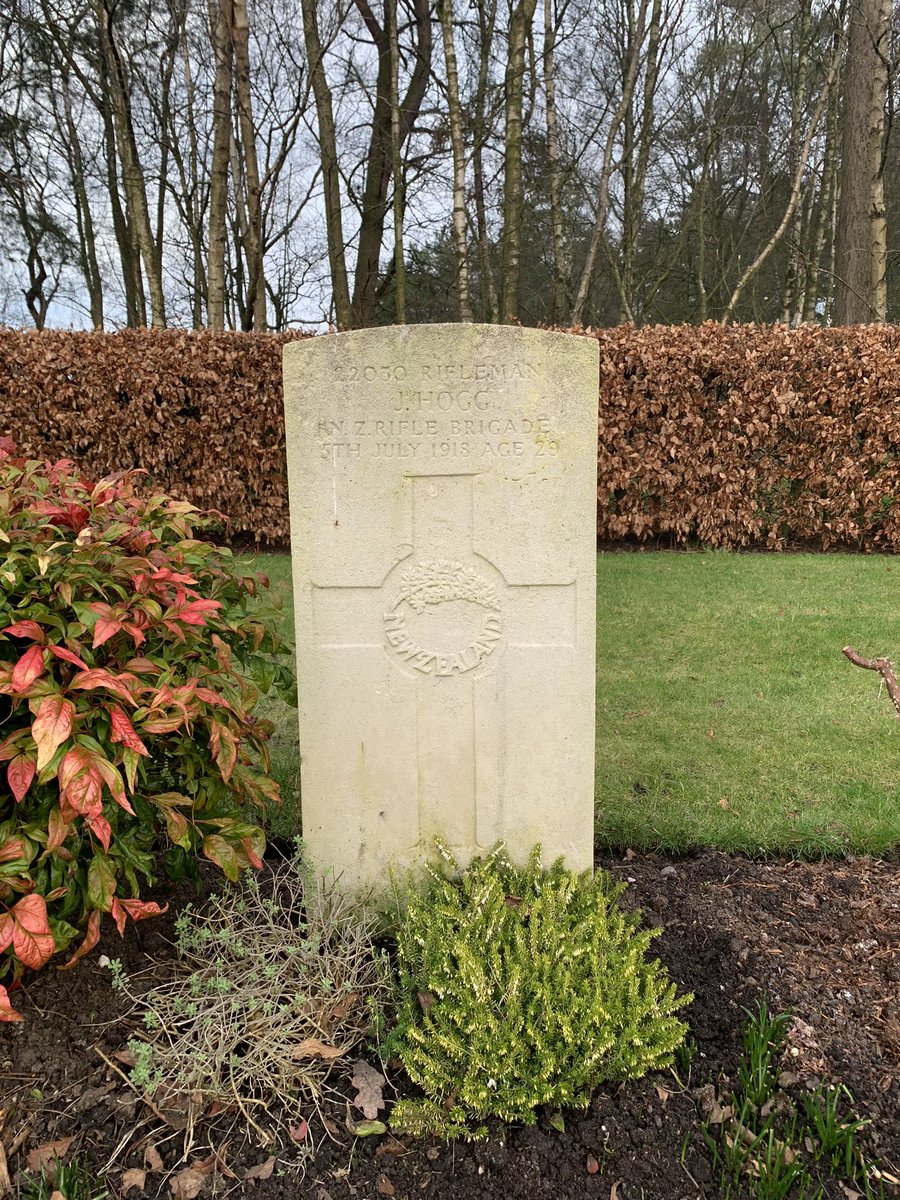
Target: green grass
726,714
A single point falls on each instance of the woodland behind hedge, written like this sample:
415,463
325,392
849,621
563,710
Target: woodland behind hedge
738,436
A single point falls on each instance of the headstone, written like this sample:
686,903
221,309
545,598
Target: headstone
443,532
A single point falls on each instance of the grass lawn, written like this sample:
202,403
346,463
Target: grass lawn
726,714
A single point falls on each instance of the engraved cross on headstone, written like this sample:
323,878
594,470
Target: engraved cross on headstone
445,618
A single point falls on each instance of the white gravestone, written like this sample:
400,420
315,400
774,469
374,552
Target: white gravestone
443,532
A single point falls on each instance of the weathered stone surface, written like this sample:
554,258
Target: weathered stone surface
443,497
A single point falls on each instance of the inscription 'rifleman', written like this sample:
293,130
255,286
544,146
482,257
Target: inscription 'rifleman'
452,609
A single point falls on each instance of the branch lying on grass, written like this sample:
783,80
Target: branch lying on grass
884,667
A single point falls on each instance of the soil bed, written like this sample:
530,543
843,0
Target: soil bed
821,940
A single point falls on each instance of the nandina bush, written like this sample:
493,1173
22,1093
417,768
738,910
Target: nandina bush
132,654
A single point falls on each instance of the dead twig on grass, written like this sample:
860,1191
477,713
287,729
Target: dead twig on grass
884,667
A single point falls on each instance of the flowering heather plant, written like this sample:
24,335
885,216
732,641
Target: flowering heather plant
131,658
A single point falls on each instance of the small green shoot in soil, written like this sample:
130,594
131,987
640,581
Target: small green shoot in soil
784,1150
71,1181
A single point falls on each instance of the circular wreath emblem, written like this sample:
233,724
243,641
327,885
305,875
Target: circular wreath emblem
431,585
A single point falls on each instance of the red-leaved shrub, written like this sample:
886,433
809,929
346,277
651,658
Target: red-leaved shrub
131,657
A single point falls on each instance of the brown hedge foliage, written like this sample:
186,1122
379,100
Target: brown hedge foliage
751,435
201,412
740,436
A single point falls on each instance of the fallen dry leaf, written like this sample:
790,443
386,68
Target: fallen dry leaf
134,1177
391,1146
298,1132
614,1190
344,1005
263,1171
188,1183
384,1187
663,1093
369,1083
315,1048
152,1159
46,1155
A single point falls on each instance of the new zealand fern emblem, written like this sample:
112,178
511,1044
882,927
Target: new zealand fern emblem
430,584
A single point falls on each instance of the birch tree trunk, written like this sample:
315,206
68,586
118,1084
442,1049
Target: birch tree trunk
519,25
454,116
487,17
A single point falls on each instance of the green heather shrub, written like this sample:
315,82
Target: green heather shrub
132,655
521,988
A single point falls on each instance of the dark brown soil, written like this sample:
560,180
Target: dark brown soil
821,940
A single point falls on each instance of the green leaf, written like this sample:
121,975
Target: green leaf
222,853
367,1128
101,883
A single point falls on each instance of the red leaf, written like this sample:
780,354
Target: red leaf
102,829
68,656
12,849
57,829
97,677
192,614
213,698
123,730
19,774
28,668
107,626
26,928
91,938
7,1012
81,783
29,629
140,910
52,725
113,781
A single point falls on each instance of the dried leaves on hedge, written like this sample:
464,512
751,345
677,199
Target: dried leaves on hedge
737,436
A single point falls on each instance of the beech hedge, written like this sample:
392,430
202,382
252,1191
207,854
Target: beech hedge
739,436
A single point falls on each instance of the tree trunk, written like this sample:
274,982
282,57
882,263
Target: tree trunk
220,23
487,16
379,158
861,233
256,283
331,178
519,25
393,34
454,116
132,173
560,266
